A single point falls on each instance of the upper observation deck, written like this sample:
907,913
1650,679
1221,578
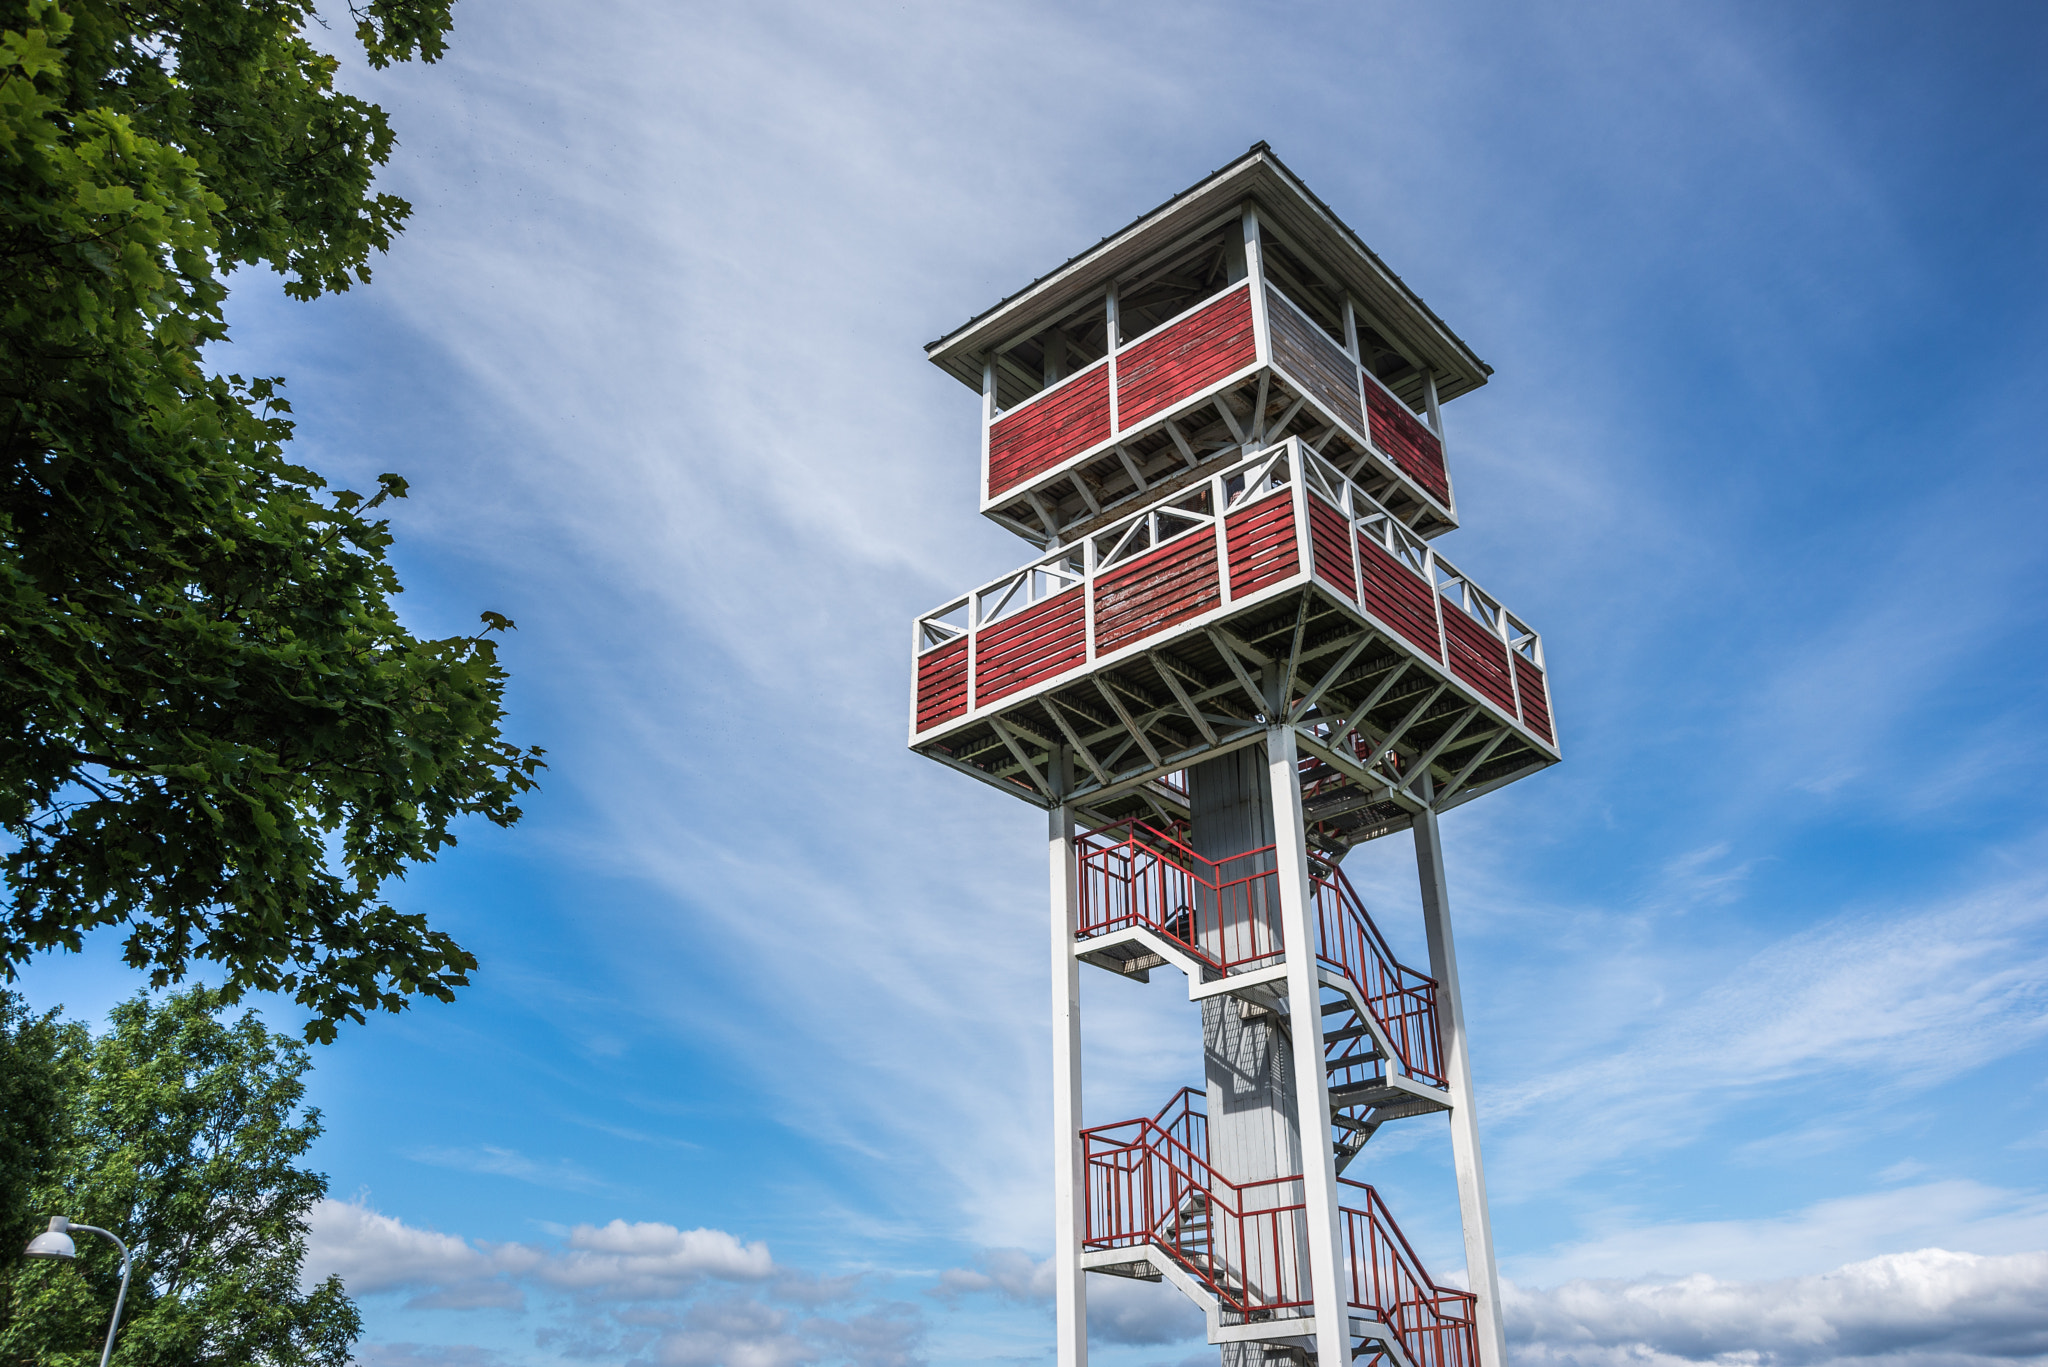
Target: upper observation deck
1274,590
1239,314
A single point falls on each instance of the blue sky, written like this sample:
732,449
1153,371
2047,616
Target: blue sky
754,1071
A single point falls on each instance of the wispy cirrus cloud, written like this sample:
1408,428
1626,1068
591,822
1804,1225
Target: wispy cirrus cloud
1900,1001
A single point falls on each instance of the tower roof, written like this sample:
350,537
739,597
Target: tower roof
1286,204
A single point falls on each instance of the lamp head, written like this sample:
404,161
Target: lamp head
54,1242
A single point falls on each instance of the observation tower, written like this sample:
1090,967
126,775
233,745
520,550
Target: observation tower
1236,654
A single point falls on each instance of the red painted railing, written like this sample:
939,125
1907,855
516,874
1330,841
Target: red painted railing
1150,1183
1401,1000
1226,914
1385,1279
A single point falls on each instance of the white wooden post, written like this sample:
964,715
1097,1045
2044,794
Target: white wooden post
1325,1232
988,413
1115,326
1255,268
1436,415
1450,1017
1070,1181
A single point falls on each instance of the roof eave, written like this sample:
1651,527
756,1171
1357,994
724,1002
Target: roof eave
1462,370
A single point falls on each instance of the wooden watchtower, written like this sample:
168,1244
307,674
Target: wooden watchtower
1235,655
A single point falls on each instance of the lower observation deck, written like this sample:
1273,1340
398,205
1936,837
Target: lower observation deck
1275,590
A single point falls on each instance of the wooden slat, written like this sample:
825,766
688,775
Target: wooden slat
1063,423
1184,359
1479,657
1315,362
1397,596
1535,703
941,684
1262,549
1045,639
1413,447
1330,543
1155,591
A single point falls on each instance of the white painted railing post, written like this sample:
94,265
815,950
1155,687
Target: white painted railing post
1070,1180
1450,1015
1323,1224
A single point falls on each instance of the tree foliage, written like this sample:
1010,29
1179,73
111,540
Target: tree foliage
214,730
181,1133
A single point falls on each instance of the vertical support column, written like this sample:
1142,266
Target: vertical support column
1450,1014
988,413
1070,1180
1256,270
1115,325
1325,1232
1435,413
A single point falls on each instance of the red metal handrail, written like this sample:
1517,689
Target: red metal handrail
1384,1278
1150,1183
1226,914
1402,1000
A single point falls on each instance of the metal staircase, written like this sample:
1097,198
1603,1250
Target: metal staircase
1148,900
1157,1209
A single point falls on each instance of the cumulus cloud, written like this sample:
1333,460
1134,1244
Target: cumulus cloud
639,1261
626,1289
1952,1212
374,1253
1930,1308
1120,1310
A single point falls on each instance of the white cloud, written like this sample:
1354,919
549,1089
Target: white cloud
615,1291
1120,1309
501,1162
1960,1214
1930,1307
637,1261
1900,1002
374,1253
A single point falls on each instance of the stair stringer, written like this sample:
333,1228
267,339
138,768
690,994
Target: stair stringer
1421,1091
1295,1331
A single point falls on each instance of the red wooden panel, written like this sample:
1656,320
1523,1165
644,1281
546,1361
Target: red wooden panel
942,684
1535,702
1397,596
1479,657
1062,423
1329,538
1185,358
1262,549
1153,592
1412,446
1043,640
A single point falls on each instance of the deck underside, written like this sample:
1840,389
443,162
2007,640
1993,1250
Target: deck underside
1386,731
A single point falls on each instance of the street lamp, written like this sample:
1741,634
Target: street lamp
55,1242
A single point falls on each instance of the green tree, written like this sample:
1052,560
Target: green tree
214,730
183,1135
32,1116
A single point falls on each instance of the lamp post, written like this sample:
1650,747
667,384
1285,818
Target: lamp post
55,1242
